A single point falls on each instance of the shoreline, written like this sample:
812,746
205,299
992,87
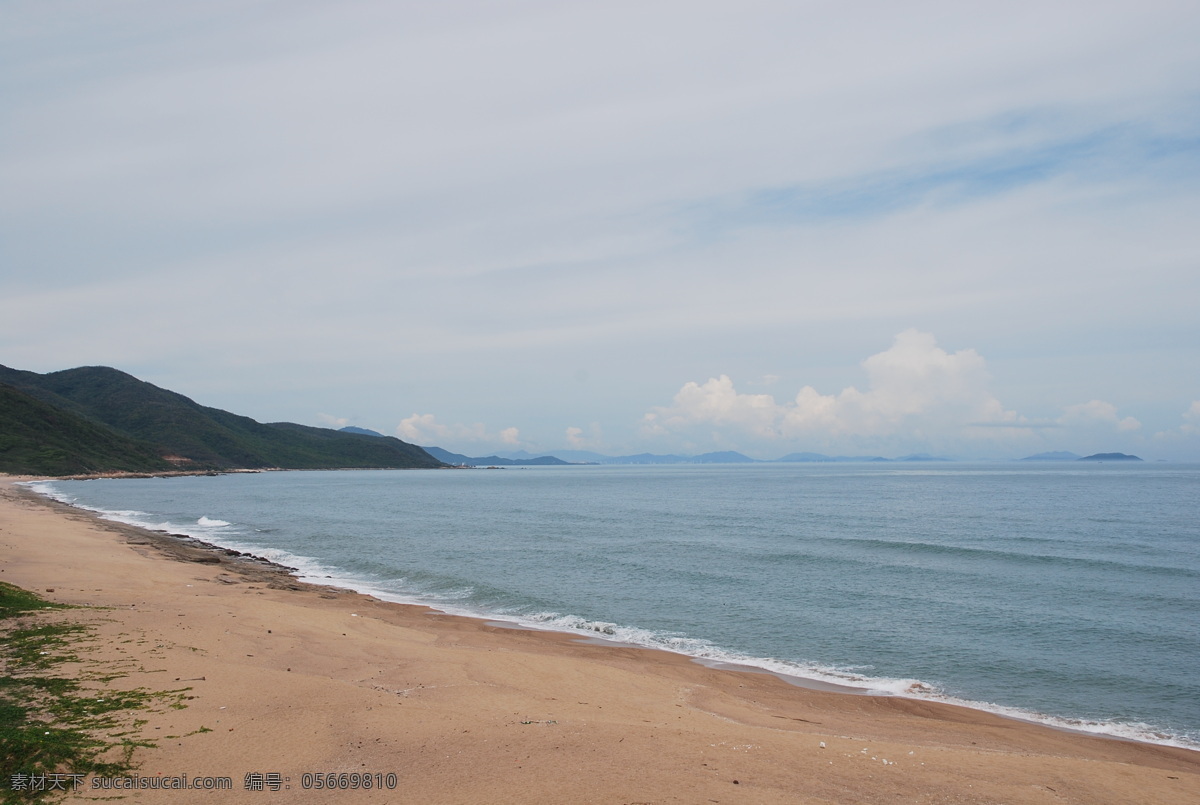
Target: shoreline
814,678
468,711
169,540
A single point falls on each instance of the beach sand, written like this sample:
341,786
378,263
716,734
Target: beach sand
290,678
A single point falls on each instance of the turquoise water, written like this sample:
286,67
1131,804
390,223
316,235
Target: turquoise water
1063,592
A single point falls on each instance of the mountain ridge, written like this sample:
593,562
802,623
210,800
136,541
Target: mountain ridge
183,433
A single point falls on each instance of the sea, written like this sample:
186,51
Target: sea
1064,593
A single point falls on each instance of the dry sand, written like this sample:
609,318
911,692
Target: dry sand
292,679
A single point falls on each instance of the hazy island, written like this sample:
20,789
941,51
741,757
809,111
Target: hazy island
1056,455
1110,457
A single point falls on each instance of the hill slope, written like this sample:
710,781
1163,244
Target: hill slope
205,438
39,439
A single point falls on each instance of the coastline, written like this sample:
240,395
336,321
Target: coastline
292,677
524,605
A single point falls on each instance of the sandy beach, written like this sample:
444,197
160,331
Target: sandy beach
292,679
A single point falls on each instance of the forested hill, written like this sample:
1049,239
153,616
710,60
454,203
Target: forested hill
39,439
98,419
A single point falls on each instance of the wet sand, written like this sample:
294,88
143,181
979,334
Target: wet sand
289,678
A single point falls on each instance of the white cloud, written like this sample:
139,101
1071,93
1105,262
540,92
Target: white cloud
740,179
578,439
915,387
1097,412
1192,417
424,429
333,421
1190,426
917,396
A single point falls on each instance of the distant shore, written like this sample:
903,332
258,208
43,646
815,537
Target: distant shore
294,679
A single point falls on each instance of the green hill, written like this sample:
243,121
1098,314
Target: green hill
39,439
193,436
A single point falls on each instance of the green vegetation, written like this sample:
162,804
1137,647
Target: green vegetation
38,439
94,419
15,601
56,725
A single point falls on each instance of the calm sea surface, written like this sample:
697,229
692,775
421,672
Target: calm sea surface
1064,592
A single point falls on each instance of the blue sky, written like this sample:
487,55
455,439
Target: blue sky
659,226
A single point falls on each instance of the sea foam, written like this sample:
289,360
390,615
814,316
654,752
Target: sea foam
470,599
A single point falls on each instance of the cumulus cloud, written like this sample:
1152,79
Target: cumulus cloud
578,439
333,421
1190,426
1191,417
914,388
424,429
1097,412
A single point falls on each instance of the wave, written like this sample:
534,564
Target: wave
882,549
204,528
309,569
849,679
845,678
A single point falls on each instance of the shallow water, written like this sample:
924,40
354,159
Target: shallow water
1065,592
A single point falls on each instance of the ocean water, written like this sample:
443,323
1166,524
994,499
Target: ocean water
1063,592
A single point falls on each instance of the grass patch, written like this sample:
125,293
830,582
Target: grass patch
40,647
15,601
51,725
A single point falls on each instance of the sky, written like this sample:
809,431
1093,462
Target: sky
967,229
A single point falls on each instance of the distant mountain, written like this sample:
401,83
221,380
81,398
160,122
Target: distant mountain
1110,457
540,461
1059,455
723,457
517,454
445,456
361,431
791,458
458,459
648,458
181,432
579,456
821,458
588,457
